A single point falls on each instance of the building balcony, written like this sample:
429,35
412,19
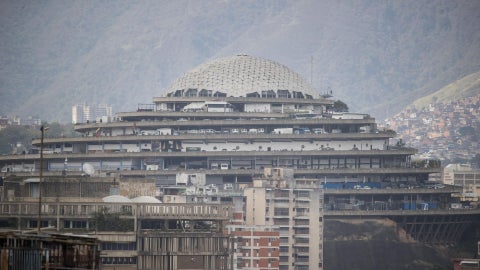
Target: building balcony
301,225
302,215
283,205
303,254
281,216
301,263
302,260
301,245
52,209
301,204
301,236
284,254
282,222
252,247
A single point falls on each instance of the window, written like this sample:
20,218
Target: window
74,224
302,230
119,260
119,246
281,212
302,193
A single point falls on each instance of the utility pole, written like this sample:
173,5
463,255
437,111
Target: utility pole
42,129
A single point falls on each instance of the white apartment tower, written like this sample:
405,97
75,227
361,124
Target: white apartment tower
102,110
81,113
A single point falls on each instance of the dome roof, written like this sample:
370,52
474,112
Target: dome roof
241,76
116,199
146,199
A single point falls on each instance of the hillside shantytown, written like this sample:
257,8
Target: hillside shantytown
444,130
238,166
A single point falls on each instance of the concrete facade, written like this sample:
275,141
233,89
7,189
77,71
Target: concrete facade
297,210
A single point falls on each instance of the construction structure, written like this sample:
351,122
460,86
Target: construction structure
32,250
137,233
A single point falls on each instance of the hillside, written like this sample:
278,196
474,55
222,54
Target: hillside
468,86
377,56
444,124
368,244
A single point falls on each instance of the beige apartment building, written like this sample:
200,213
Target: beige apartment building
465,176
296,208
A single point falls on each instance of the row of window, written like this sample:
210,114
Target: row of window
119,260
119,246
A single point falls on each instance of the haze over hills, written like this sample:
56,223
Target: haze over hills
377,56
465,87
445,124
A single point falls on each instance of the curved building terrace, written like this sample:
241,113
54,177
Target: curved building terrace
231,118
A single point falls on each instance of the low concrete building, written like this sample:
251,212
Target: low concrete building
463,175
46,250
139,232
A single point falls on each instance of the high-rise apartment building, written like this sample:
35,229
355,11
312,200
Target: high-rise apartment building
103,110
83,113
295,206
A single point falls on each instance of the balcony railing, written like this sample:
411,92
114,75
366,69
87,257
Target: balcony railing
127,210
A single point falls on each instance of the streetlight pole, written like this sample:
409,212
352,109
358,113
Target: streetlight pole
42,129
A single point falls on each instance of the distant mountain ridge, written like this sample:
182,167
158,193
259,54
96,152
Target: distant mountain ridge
467,86
376,56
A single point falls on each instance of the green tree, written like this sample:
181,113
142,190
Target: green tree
340,106
11,136
476,161
106,221
464,131
400,143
